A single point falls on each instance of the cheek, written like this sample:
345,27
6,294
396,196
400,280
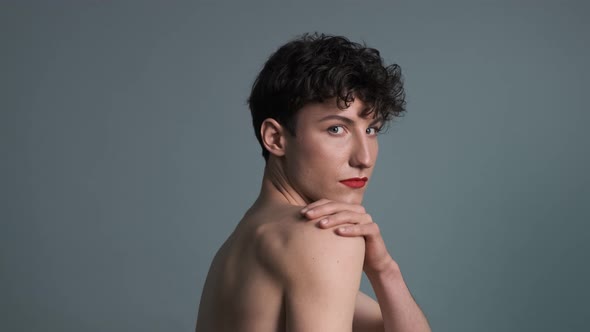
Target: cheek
310,147
310,165
315,157
326,155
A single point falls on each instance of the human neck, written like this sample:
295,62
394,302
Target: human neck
276,189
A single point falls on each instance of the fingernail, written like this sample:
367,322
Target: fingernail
304,210
324,222
343,229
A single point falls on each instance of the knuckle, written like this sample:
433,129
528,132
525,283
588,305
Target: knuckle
334,218
376,228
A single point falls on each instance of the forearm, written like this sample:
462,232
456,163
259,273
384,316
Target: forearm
400,311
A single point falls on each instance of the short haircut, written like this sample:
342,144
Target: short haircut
319,67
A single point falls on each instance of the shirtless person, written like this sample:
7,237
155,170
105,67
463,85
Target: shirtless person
295,260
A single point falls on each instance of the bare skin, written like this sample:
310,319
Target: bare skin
259,248
282,269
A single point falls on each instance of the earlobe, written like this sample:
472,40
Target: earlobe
272,134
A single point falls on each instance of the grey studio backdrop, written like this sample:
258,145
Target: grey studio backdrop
128,156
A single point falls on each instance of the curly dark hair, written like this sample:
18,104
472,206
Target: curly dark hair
318,67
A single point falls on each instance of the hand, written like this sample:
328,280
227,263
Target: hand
352,220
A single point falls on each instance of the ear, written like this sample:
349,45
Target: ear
273,137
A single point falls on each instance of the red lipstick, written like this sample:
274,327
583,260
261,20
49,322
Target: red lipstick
355,182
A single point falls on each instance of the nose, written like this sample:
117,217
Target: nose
364,152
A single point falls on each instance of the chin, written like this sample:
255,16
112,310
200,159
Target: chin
350,198
357,200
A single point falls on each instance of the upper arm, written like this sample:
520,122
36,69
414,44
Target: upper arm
322,277
367,314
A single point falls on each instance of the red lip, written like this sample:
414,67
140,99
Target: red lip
355,182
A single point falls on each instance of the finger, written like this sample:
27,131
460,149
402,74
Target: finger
344,217
369,230
314,204
332,207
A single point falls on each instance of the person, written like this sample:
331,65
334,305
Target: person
295,260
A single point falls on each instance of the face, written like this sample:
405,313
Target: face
330,146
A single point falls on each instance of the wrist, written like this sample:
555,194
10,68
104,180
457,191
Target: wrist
389,269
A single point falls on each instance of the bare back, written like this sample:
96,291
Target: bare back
255,281
241,292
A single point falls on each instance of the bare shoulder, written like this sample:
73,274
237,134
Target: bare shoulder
293,247
319,271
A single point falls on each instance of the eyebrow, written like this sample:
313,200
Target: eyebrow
345,119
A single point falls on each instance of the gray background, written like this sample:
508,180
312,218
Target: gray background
128,156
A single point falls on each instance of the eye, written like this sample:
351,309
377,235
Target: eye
336,130
373,130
